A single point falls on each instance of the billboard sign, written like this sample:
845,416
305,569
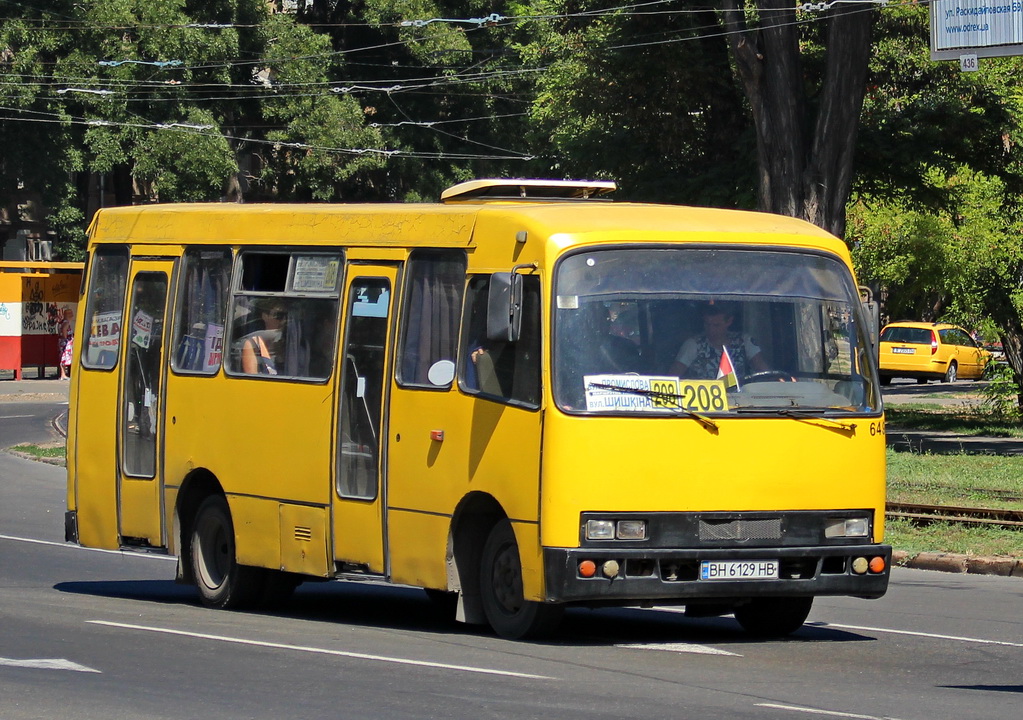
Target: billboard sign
984,28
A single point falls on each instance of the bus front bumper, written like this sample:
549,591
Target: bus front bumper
634,576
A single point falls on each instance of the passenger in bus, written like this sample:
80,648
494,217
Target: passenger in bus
700,356
262,349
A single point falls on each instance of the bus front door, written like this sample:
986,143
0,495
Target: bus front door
358,515
140,414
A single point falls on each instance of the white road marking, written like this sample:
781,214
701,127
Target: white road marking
679,648
890,631
46,664
324,651
14,417
817,711
935,636
72,546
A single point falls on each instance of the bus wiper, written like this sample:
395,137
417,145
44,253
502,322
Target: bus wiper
805,414
674,399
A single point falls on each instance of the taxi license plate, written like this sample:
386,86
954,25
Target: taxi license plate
739,570
904,351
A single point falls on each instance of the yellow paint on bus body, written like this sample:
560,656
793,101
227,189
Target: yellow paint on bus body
273,446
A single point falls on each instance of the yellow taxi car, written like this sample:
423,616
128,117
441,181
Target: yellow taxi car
929,351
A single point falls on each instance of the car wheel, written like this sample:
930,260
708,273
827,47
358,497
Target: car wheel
951,373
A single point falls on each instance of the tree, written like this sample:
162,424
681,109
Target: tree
643,97
937,263
439,81
806,125
172,100
936,216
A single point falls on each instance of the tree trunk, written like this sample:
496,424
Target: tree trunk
802,173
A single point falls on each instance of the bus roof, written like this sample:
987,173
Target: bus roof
564,223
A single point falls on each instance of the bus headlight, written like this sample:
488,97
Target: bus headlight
631,530
600,529
847,528
616,529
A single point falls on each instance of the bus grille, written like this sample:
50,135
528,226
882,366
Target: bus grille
741,529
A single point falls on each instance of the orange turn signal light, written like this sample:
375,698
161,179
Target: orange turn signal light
587,568
877,565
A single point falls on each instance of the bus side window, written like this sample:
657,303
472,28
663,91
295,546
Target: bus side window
433,302
284,315
496,369
108,278
202,307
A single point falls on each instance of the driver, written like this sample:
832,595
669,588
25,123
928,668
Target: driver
700,356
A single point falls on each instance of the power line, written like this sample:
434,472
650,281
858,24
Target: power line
53,118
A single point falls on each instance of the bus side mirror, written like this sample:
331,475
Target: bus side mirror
872,311
504,307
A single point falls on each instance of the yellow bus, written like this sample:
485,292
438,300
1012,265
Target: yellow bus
522,398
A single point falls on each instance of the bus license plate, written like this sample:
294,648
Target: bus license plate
739,570
904,351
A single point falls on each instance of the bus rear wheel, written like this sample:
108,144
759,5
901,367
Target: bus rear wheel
221,581
508,613
772,617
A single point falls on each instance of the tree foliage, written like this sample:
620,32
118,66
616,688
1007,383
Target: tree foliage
936,216
173,100
644,99
749,103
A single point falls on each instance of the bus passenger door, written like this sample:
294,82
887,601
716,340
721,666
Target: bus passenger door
361,426
140,413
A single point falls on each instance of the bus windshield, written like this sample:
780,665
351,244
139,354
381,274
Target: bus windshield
742,331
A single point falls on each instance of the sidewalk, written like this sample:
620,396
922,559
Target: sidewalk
33,389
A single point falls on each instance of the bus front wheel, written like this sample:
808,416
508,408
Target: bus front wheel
508,613
771,617
221,581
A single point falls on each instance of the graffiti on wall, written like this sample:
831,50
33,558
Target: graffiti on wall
40,315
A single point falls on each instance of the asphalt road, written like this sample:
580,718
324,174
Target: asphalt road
29,422
109,635
961,392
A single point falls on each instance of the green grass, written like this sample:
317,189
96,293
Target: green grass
953,538
965,480
972,480
41,452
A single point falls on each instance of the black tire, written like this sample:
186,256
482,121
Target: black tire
508,613
773,617
221,581
951,372
921,381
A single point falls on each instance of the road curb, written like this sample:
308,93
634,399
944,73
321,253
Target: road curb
954,563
